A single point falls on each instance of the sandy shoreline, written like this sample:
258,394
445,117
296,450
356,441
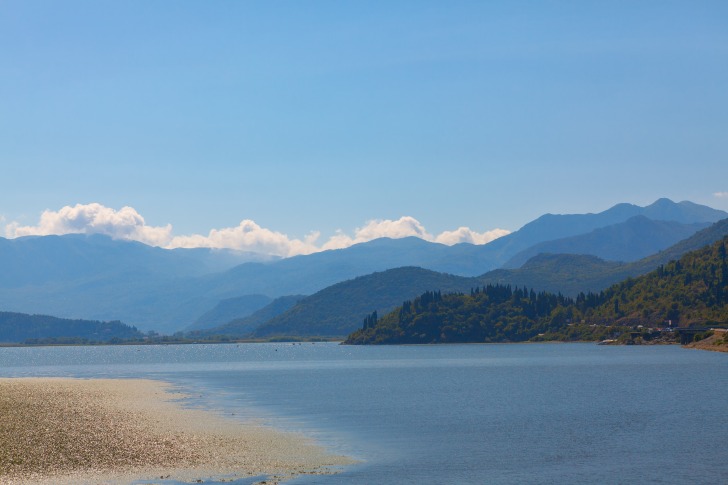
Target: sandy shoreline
58,430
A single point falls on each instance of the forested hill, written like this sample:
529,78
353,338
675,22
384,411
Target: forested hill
328,312
19,327
691,290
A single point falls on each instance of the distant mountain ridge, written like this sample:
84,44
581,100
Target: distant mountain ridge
98,278
571,274
551,226
690,290
229,309
627,241
245,326
36,260
339,309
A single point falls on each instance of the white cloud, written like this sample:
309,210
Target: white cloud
402,227
127,224
467,235
721,195
249,236
409,226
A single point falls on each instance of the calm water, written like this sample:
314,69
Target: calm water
551,413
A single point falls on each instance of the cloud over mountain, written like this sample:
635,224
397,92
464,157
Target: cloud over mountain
127,224
249,236
465,234
409,226
402,227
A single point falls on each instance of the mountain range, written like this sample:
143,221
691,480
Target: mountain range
339,309
633,239
690,290
98,278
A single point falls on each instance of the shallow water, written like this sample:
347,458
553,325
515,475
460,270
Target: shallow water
531,413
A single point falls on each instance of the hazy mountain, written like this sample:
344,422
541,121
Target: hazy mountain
339,309
634,236
243,327
98,278
229,309
19,327
691,290
686,212
571,274
342,307
36,260
634,239
550,226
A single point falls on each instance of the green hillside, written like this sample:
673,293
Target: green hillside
691,290
569,274
338,309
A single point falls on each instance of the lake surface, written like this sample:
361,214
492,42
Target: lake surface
490,414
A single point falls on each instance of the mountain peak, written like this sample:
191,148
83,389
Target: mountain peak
685,212
661,202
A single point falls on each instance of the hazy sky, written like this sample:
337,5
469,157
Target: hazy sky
312,116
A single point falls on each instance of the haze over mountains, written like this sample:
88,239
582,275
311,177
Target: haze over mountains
339,309
692,290
633,239
95,277
550,226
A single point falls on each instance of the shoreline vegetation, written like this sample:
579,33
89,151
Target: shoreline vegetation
92,431
716,341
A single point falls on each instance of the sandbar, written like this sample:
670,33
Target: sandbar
117,431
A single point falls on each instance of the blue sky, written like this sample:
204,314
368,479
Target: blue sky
324,116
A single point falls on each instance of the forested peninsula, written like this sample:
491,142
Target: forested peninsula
691,291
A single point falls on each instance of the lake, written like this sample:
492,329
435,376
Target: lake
521,413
